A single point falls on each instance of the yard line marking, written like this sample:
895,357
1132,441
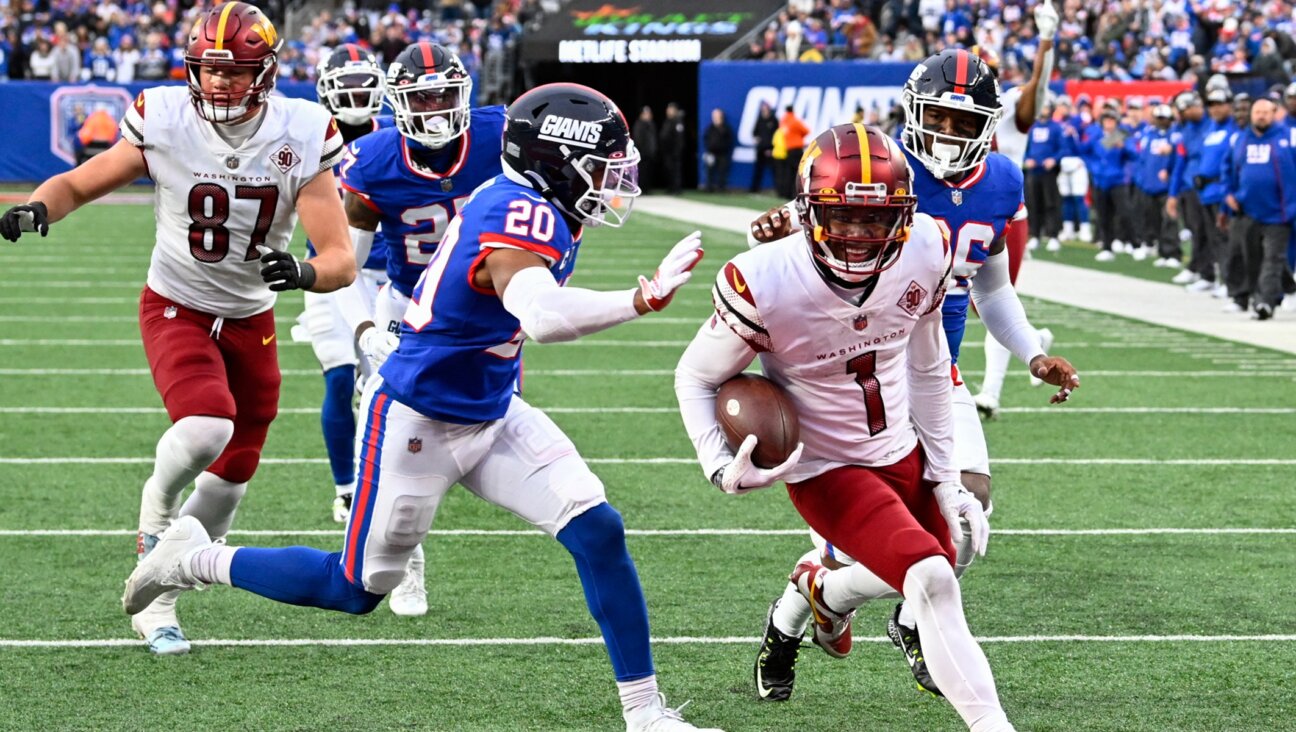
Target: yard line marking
598,641
48,319
1054,410
69,284
663,532
121,372
693,461
69,300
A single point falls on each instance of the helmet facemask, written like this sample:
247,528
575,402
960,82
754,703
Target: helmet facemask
230,105
353,92
942,153
857,234
433,110
608,187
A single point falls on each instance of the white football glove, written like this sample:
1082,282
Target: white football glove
956,501
1046,20
741,475
375,346
672,273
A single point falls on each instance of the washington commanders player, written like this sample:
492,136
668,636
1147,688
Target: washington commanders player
411,182
951,105
233,167
847,318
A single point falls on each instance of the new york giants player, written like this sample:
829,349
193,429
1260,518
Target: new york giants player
847,318
443,409
233,167
350,87
412,181
951,104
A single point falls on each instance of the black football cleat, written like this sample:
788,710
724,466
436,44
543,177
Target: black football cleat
906,639
775,670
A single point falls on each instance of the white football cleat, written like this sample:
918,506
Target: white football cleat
1220,292
1201,286
1046,342
1233,307
1054,245
1288,304
657,717
986,405
1086,232
409,599
165,568
1032,244
160,629
342,508
1118,246
1105,256
1185,277
1140,253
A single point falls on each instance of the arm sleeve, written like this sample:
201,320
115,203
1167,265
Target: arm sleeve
334,145
353,306
549,313
1179,160
1001,311
362,242
715,355
132,123
930,396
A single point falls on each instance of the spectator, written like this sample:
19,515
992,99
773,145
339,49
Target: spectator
1257,172
67,59
718,141
763,134
1268,65
154,64
644,135
794,133
99,64
40,66
672,148
126,57
6,52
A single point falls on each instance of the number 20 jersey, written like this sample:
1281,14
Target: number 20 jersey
460,350
415,204
215,204
845,367
974,214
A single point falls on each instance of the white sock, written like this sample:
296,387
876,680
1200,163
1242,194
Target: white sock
638,693
345,490
184,451
792,612
996,366
213,502
212,565
955,661
849,587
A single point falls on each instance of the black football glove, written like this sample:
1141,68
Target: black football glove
27,217
283,271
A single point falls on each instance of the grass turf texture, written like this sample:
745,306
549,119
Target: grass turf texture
82,284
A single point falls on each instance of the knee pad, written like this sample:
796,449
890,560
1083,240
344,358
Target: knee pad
931,581
239,461
204,438
394,534
595,534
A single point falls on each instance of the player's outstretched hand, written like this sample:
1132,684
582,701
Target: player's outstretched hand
1046,20
772,225
1057,371
956,503
27,217
741,475
376,345
672,273
283,271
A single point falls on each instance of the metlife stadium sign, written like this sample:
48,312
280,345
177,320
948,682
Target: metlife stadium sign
822,95
649,31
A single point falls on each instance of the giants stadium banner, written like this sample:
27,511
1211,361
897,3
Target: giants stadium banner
822,95
646,31
41,121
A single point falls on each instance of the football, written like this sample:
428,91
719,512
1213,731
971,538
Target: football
749,404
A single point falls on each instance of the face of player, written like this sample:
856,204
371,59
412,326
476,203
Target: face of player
228,84
956,123
857,235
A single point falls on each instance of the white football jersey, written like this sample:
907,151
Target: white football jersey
1009,140
845,367
215,204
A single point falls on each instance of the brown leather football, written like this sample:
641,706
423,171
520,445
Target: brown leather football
749,404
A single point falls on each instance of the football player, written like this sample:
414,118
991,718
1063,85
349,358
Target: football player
233,167
951,105
411,182
847,318
443,409
350,87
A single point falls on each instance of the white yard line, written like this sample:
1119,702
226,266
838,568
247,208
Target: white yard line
670,640
63,533
693,461
1052,411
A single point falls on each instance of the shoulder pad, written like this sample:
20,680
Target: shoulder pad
736,306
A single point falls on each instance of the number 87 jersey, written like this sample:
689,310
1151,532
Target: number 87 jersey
973,213
415,203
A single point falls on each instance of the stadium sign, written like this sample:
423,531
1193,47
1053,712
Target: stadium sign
639,51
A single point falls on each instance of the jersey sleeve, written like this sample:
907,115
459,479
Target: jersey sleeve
132,123
517,221
334,145
736,307
351,172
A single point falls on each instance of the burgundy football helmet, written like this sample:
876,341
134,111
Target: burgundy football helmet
232,35
855,201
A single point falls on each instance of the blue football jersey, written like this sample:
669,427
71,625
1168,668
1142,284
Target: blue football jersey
416,205
460,350
377,254
974,213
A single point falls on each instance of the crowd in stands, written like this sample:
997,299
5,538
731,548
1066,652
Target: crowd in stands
1097,39
102,40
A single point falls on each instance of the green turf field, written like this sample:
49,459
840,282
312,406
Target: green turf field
1094,616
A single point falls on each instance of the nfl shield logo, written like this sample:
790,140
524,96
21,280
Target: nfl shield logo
170,312
415,444
957,197
446,184
861,322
